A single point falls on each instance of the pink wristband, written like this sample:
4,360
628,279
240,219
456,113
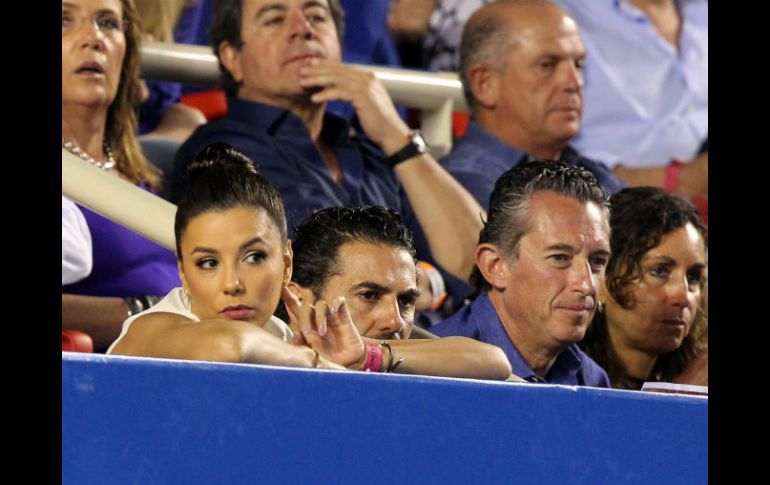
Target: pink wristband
671,181
373,360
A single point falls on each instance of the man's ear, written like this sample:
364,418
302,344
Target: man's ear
492,265
485,85
230,57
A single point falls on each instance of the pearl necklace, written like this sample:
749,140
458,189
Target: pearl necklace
76,150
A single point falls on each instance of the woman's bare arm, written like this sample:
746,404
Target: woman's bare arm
168,335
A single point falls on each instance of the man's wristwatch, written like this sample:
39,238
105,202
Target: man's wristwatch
416,146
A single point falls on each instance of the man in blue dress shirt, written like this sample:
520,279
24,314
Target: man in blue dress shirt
280,62
521,65
540,263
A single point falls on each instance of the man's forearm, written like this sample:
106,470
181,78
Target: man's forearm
449,215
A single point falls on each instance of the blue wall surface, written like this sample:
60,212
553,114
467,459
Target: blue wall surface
145,421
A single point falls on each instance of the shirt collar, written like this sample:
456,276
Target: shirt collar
625,7
491,331
265,118
566,368
482,137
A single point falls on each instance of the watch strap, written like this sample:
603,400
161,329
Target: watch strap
411,149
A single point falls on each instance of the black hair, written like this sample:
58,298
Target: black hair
220,178
226,26
317,240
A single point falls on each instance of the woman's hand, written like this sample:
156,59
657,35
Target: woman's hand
329,330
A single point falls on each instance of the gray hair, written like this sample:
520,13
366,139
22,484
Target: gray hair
484,39
508,219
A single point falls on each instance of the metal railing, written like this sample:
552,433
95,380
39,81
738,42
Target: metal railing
435,94
118,200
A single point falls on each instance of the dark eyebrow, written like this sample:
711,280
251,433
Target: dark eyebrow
271,6
560,247
699,266
371,285
663,259
283,8
251,242
101,13
314,3
205,250
601,252
671,261
550,56
410,293
570,249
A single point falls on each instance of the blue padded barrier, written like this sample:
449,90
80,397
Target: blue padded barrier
136,420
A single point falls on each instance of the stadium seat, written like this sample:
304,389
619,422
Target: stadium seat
76,341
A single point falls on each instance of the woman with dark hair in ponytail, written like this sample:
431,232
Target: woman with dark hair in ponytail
234,262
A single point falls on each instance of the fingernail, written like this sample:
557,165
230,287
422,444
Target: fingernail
330,311
305,329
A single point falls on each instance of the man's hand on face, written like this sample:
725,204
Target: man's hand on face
337,82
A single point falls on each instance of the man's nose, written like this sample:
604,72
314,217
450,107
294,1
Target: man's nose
300,26
392,320
573,76
583,277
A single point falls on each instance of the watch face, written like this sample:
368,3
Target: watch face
419,141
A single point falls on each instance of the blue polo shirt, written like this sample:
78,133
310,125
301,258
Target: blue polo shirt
479,320
479,158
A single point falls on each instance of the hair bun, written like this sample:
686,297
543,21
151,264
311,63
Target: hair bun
219,159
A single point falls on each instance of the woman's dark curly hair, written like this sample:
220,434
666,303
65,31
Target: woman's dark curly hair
639,219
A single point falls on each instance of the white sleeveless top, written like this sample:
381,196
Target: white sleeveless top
174,302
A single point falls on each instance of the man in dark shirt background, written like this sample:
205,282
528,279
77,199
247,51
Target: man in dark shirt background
280,61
